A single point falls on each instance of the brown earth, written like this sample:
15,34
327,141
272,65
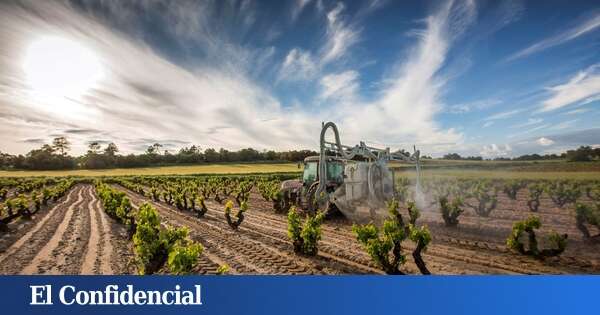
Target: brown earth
74,236
462,250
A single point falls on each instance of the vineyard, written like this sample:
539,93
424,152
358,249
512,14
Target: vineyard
243,224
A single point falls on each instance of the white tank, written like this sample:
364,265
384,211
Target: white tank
367,185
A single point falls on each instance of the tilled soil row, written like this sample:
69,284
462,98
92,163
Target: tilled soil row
580,256
18,228
72,237
445,255
337,246
340,244
323,263
64,253
24,251
108,250
490,248
242,254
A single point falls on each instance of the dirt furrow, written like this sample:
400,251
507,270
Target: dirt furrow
45,261
325,263
344,244
211,245
20,228
27,247
444,255
91,260
69,255
494,259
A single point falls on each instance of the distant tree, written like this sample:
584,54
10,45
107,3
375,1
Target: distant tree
47,148
111,149
45,159
62,145
582,154
94,147
154,149
452,156
211,155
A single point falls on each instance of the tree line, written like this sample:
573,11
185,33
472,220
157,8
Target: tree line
581,154
55,157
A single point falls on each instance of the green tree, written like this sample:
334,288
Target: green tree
111,149
94,147
62,145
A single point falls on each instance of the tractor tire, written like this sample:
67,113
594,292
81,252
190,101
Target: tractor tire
327,206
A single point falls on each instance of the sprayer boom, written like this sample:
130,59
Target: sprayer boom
356,180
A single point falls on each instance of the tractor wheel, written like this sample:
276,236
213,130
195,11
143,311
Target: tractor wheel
314,206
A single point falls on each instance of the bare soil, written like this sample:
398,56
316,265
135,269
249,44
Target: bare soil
74,236
261,244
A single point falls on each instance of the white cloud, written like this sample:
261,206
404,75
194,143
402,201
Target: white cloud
341,86
545,141
528,131
504,115
529,122
302,65
143,97
488,124
589,100
570,34
410,99
473,106
298,7
585,85
564,124
298,66
577,111
339,37
494,150
146,98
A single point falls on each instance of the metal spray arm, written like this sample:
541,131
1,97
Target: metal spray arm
347,152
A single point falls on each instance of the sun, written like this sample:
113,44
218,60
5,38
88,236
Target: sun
57,67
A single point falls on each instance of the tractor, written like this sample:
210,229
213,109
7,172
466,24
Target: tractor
355,181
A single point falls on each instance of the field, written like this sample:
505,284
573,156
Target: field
128,225
226,168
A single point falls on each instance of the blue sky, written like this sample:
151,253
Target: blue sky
491,78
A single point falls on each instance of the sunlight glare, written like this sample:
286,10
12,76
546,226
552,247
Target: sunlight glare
57,67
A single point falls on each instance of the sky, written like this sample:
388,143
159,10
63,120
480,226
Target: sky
486,78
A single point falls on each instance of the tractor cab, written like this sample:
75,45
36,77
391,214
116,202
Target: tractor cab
335,171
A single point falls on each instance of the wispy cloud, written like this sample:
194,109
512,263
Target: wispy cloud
584,86
410,99
564,125
129,103
572,33
529,122
215,102
340,35
577,111
298,66
340,86
504,115
473,106
298,7
530,130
